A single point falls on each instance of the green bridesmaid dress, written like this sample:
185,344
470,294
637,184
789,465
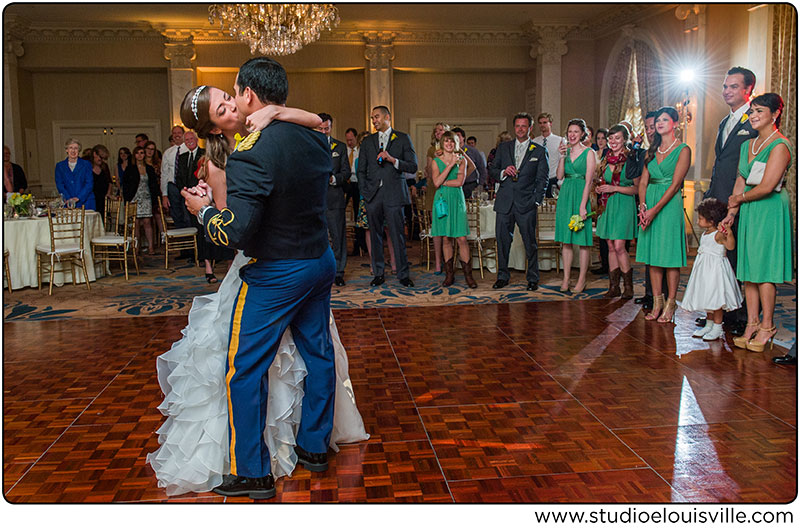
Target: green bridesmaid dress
569,202
663,243
454,224
765,228
618,221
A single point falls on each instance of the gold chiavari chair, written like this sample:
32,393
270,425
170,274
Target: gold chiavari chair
113,247
113,215
7,269
177,239
481,241
546,229
423,218
66,244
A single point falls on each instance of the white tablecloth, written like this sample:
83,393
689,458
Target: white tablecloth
516,256
20,238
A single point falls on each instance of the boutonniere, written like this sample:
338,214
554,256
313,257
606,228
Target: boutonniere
333,145
394,137
533,146
745,117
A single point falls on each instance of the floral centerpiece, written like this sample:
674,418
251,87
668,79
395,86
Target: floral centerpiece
576,223
22,204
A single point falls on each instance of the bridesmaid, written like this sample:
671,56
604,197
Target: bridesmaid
434,150
662,239
575,171
765,228
619,172
448,174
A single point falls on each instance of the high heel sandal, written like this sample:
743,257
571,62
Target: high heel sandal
577,290
749,332
759,347
658,305
668,314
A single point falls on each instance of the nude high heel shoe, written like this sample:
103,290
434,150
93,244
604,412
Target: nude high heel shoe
658,306
758,347
668,314
749,332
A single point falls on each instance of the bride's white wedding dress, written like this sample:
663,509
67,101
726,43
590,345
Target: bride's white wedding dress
194,452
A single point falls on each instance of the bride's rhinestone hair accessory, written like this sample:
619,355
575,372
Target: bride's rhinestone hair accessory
194,101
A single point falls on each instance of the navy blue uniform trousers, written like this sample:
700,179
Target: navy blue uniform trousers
276,294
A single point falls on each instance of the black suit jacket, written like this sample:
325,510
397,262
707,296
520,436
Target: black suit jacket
726,162
18,178
532,177
184,171
341,173
130,183
371,174
276,195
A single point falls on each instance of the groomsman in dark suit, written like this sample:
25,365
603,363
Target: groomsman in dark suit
383,159
522,168
336,197
735,129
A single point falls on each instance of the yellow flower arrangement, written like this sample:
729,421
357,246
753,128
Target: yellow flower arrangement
22,204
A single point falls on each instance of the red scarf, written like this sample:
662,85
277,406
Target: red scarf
618,162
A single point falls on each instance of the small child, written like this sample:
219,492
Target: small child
712,284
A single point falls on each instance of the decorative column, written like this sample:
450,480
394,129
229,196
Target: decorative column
13,35
547,47
379,53
180,52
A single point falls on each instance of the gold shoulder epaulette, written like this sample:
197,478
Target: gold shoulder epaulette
247,143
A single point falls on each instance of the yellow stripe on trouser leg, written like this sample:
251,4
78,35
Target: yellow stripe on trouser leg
232,348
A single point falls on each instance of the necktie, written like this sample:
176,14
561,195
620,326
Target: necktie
544,142
350,158
519,154
175,165
728,128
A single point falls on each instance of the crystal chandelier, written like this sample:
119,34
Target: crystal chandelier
275,29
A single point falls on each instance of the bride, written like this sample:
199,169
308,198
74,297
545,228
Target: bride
194,452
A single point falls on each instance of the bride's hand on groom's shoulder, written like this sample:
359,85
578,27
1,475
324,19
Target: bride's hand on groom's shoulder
262,117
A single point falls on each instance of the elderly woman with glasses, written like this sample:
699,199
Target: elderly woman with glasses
73,177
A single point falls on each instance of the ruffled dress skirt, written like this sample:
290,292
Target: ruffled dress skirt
194,452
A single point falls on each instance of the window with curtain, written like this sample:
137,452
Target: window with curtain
636,85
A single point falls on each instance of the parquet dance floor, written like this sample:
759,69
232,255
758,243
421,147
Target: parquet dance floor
553,402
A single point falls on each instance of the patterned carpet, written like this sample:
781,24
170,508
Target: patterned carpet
159,291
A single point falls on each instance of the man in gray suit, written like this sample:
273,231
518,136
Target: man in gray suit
382,160
735,129
336,199
522,168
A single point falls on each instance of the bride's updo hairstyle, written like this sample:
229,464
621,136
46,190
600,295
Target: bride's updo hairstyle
195,114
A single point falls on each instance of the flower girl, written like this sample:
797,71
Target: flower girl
712,285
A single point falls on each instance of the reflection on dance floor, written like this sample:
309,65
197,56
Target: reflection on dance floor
573,402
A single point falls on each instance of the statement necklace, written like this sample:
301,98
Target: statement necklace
754,151
668,148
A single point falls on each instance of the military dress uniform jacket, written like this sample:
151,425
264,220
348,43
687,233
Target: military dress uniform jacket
341,174
277,184
528,190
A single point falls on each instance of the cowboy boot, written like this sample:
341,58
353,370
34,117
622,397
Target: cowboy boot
449,277
627,281
467,266
613,283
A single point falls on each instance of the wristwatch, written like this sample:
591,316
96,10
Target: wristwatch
200,214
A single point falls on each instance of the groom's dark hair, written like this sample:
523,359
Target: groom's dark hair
266,78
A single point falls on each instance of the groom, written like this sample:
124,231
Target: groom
277,182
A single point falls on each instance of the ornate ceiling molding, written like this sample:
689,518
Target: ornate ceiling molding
15,29
97,33
612,20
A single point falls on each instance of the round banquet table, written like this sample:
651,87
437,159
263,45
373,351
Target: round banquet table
20,238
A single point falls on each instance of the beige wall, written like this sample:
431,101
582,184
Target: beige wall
91,96
580,94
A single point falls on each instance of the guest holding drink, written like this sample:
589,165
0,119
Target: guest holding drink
619,182
765,227
662,239
449,207
74,177
575,172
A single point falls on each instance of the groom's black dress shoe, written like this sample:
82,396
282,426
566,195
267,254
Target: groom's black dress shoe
785,360
500,283
407,282
376,281
338,281
315,462
255,488
533,285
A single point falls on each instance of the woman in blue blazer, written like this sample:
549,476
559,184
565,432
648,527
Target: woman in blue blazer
74,178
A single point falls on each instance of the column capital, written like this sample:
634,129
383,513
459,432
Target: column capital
14,30
548,41
379,49
179,51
